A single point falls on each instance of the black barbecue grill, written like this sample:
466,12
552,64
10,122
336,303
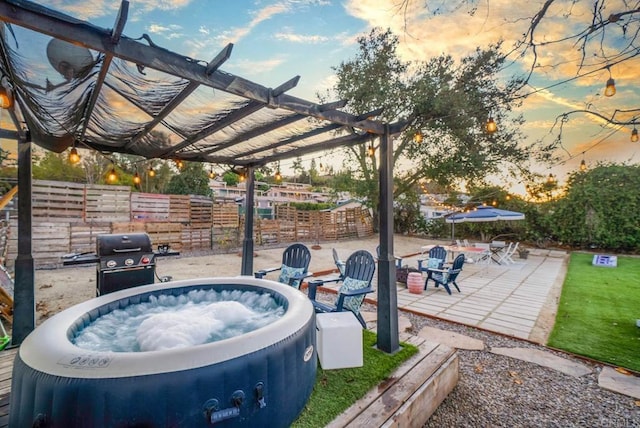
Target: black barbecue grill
123,261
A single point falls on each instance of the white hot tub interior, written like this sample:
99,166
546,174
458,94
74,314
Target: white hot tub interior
171,321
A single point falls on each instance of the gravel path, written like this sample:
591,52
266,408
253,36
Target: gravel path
499,391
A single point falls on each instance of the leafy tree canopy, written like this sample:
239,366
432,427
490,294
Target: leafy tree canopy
443,102
192,180
601,208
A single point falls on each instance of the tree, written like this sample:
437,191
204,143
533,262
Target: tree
192,180
56,166
230,178
445,106
297,167
601,209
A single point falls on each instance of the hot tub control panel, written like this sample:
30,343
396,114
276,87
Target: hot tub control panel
213,413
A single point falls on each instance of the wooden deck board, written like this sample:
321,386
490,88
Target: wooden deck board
413,393
6,366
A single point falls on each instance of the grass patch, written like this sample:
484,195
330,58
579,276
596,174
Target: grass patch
336,390
598,311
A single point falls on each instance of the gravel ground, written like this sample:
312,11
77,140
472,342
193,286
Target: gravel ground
499,391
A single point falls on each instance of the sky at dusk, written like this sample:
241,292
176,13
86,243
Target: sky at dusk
275,40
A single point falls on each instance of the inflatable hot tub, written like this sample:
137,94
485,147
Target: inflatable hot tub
259,378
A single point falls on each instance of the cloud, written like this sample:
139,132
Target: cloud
299,38
246,68
91,9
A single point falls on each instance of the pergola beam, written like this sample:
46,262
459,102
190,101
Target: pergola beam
348,140
116,34
231,118
309,134
222,56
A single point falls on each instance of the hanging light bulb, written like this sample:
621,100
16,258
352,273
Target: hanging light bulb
610,89
6,98
212,174
278,177
179,163
551,178
151,172
136,178
634,135
112,176
583,165
371,151
74,157
418,137
491,126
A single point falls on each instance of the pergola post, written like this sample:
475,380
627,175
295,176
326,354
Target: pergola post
387,293
24,308
247,242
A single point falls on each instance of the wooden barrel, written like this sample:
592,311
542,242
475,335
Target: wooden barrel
415,283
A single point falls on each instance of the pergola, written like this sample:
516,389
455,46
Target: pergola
72,84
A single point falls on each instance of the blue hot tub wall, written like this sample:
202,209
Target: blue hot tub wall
174,399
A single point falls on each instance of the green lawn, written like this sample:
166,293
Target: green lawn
598,310
336,390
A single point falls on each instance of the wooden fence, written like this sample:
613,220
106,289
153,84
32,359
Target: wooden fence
67,218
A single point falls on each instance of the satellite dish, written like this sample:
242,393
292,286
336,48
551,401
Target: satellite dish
68,59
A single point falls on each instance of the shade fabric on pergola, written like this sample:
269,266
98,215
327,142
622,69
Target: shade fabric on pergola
78,84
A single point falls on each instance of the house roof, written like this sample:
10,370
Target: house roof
76,84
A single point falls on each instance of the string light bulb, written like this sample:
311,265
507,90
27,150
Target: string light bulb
371,151
491,125
151,172
610,89
418,137
212,174
6,98
74,157
136,178
278,176
551,178
112,177
583,165
179,163
634,135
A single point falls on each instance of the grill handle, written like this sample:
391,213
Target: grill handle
127,250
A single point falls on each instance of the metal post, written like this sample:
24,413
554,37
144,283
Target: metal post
24,308
388,340
247,242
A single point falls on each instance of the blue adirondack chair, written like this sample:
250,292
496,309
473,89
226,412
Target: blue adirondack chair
397,259
449,275
356,283
294,268
436,259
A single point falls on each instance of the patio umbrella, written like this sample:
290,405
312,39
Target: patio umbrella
482,214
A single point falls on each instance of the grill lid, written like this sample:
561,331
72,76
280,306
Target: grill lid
114,244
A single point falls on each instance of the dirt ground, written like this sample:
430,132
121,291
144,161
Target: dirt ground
58,289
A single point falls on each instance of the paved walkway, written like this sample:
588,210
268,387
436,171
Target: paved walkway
508,299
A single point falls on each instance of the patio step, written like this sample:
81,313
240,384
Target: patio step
411,394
